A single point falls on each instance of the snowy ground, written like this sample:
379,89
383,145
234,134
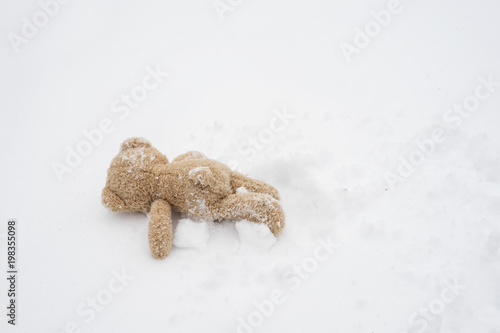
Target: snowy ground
392,197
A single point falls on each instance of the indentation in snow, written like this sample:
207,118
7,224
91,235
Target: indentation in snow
254,236
190,234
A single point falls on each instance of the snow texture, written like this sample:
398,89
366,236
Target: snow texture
267,91
254,236
191,234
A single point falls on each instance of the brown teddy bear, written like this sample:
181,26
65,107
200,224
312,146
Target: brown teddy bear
140,179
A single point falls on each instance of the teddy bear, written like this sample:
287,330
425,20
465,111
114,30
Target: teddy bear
141,179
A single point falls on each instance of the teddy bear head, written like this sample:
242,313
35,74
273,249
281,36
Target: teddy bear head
130,183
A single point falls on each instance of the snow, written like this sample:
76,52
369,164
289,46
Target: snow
268,92
199,175
200,207
241,189
191,234
254,236
196,170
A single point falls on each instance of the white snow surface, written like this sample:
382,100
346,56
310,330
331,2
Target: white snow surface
191,234
356,255
254,236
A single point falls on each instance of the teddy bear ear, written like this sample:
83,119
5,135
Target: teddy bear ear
112,201
134,142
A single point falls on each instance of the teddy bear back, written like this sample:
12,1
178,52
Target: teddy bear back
191,185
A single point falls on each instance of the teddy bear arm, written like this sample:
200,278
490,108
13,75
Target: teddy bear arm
254,207
160,229
239,181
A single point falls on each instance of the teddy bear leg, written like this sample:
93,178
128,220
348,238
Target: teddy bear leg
252,185
160,229
255,207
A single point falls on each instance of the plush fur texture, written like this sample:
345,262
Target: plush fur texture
141,179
